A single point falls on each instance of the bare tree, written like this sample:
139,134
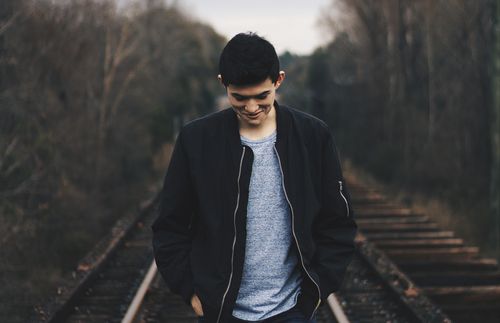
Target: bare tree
88,95
419,102
495,128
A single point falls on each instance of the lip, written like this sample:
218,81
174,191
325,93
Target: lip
254,116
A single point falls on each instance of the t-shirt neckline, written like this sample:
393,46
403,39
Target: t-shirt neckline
267,138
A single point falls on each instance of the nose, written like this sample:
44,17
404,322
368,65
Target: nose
251,106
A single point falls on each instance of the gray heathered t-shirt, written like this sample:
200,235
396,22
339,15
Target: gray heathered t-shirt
271,277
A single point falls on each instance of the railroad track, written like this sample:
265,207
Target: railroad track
118,283
452,274
106,280
375,291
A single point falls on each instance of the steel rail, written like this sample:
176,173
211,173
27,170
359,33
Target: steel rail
337,309
135,305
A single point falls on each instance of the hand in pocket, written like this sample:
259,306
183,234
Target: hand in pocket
196,305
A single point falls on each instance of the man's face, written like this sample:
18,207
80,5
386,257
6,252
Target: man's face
253,103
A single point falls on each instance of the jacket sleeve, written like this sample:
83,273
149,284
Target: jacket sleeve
172,227
335,227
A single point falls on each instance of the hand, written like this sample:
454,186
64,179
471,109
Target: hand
196,305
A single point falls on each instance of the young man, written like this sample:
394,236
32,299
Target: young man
255,222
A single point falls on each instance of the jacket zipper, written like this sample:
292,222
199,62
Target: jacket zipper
345,200
294,236
234,239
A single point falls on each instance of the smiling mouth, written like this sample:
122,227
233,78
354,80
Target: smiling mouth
253,115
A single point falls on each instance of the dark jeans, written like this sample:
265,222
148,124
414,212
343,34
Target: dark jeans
293,315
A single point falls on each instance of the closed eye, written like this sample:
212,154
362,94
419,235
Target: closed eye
260,96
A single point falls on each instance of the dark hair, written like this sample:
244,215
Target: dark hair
248,59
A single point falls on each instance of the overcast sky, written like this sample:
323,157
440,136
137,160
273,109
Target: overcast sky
289,25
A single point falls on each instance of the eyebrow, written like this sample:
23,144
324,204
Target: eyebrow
239,96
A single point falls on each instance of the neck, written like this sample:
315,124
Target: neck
261,130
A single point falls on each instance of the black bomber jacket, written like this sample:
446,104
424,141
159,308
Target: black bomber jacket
200,232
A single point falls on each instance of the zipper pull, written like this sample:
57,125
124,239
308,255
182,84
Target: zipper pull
345,200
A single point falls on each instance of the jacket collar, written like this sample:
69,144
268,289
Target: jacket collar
283,128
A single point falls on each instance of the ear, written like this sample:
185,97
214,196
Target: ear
281,78
219,77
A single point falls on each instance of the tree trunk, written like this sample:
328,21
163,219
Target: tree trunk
430,70
495,128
